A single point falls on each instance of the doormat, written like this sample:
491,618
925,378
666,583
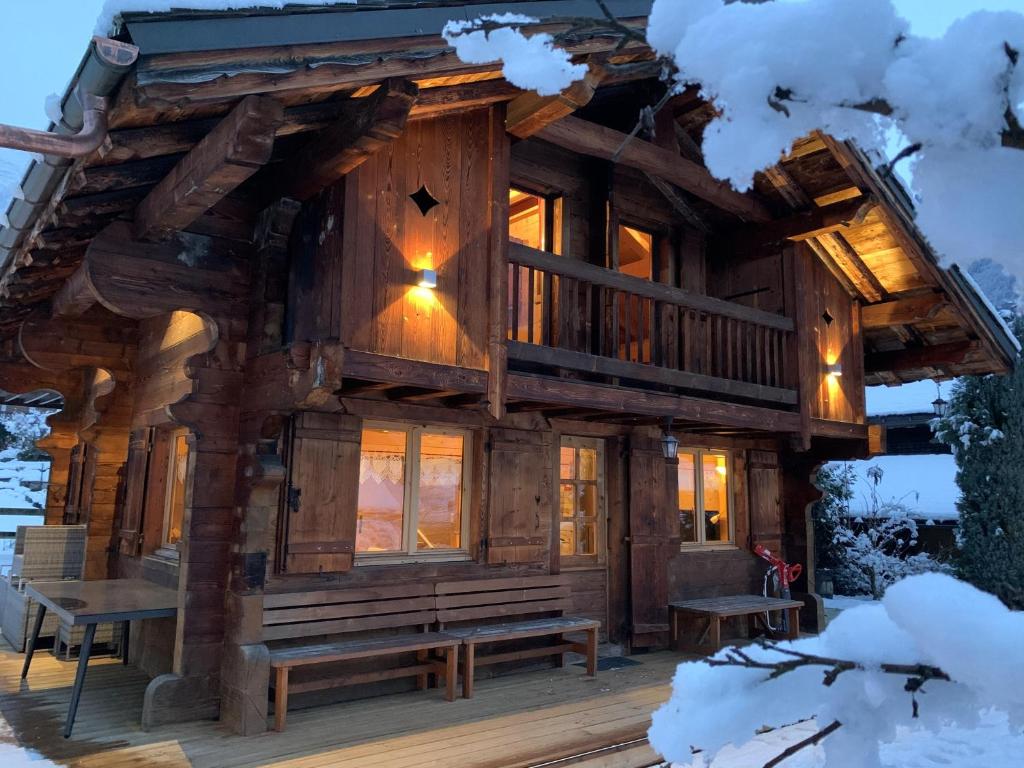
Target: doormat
606,663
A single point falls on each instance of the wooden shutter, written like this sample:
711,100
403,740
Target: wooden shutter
321,502
653,539
765,500
520,510
133,499
71,501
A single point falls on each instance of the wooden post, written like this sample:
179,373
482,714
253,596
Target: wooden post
497,351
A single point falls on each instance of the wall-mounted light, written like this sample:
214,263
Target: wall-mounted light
669,443
835,369
427,278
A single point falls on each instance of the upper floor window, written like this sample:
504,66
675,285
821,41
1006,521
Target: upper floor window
413,491
636,252
534,220
705,516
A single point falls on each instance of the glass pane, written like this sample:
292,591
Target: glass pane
687,497
566,545
381,491
567,463
565,499
586,543
716,498
587,500
636,252
588,464
439,519
176,488
526,219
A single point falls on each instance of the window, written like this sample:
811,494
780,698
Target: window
580,498
413,491
534,221
704,485
636,252
174,492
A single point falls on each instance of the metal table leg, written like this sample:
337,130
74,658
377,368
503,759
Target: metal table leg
126,627
83,663
36,628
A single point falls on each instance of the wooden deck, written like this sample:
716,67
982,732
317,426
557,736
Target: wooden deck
521,720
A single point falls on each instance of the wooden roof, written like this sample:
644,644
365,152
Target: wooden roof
920,321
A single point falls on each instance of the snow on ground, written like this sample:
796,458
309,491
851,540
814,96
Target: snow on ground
843,602
924,483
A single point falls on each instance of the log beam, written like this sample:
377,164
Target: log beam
365,128
588,138
850,262
814,222
952,353
529,112
914,309
234,150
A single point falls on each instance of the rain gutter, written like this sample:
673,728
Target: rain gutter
98,75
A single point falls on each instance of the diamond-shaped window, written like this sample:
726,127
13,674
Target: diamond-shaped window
423,199
827,317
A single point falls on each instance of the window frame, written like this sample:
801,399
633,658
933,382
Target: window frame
601,519
698,453
165,548
553,212
410,496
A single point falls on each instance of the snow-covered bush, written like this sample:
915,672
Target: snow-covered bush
985,428
871,550
934,653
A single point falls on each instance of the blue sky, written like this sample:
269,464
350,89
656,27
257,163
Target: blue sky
52,36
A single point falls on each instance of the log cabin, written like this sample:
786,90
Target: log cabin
330,309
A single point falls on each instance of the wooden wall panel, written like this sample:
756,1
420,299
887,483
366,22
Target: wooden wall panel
765,500
832,336
588,595
521,489
386,241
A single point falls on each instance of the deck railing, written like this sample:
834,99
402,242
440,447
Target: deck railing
569,314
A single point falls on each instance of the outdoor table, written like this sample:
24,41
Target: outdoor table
91,603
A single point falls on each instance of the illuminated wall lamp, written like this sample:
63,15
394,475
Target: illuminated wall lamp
835,369
427,278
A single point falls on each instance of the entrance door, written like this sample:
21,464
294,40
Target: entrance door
582,526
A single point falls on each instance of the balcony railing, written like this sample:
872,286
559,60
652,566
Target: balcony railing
569,314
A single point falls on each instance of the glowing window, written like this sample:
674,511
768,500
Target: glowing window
579,498
412,491
636,252
704,500
174,497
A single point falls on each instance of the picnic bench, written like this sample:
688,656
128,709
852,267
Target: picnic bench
709,612
501,604
309,622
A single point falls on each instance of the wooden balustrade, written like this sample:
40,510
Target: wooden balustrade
570,314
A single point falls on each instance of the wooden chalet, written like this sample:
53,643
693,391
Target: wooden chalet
330,310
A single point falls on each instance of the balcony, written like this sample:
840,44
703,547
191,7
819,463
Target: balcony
567,315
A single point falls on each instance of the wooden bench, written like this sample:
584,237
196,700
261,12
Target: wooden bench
325,614
506,600
714,610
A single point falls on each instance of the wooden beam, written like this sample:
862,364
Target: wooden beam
233,151
908,311
952,353
530,112
365,128
804,225
595,140
844,255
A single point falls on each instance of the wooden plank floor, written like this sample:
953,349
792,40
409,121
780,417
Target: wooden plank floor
513,721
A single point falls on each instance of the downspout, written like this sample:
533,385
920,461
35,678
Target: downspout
85,142
98,76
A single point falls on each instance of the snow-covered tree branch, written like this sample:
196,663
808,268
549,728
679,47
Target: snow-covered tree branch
776,71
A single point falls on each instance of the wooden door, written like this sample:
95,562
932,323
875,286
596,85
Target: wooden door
765,500
653,540
319,515
520,509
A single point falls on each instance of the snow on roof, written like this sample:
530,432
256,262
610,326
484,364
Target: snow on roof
991,308
113,8
926,484
12,170
915,397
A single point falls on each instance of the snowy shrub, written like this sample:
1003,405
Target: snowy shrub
934,653
828,514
